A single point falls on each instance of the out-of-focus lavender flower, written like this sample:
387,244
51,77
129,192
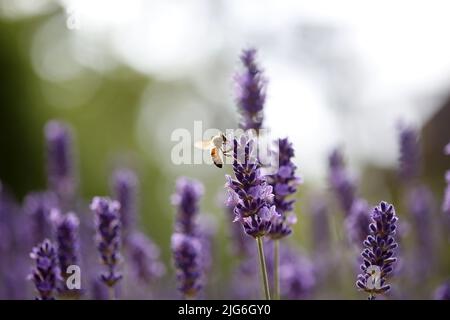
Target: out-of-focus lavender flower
244,285
186,199
249,192
107,222
357,223
60,167
66,230
420,201
144,258
409,160
38,206
320,224
207,231
186,240
187,256
45,274
251,92
284,184
379,251
124,185
241,243
443,292
297,278
98,290
342,185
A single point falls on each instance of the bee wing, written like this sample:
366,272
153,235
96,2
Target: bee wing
204,145
216,157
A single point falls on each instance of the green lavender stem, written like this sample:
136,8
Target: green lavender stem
262,262
112,293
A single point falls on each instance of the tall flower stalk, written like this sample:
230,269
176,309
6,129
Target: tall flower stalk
60,166
186,242
341,183
284,184
107,222
379,251
67,244
125,185
252,198
251,92
409,160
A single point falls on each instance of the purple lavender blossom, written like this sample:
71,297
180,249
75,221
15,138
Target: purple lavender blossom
67,240
251,92
409,160
443,291
60,166
343,186
284,184
144,258
107,221
249,192
297,278
187,256
357,223
244,285
186,241
37,206
45,274
420,201
186,199
125,184
320,224
379,251
241,243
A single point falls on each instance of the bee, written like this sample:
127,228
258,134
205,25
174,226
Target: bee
216,146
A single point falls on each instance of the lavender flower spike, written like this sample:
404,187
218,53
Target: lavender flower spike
342,185
186,198
284,184
357,223
46,272
125,184
144,258
186,240
67,240
251,92
37,206
379,251
187,258
249,192
107,221
59,159
409,160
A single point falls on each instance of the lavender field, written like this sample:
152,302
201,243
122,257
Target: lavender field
106,193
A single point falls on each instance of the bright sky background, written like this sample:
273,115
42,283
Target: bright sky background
341,72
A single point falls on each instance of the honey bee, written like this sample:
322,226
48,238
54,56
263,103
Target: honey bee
216,146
